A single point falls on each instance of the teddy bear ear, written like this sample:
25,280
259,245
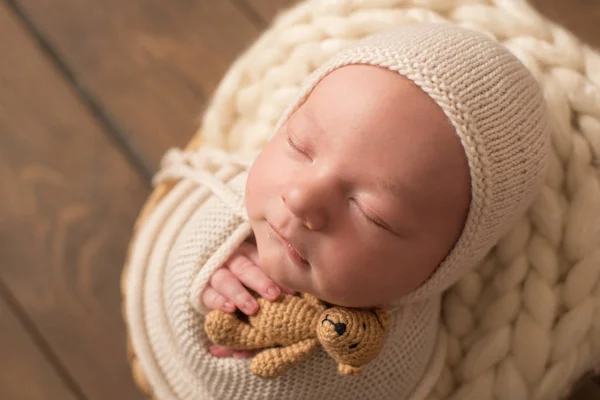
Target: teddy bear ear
383,317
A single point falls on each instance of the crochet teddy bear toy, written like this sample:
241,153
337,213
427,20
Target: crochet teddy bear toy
293,327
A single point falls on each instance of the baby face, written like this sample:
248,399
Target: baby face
362,192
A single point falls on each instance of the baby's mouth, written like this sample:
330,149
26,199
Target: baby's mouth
292,252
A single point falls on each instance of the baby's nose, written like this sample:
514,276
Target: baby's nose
306,205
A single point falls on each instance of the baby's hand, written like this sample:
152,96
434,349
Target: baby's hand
227,289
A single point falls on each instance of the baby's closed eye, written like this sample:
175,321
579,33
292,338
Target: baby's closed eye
370,217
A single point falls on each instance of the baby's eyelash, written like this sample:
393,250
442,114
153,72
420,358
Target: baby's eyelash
295,145
369,217
291,143
376,222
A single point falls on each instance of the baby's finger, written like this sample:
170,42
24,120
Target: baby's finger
253,277
220,351
286,290
244,353
250,251
216,301
228,285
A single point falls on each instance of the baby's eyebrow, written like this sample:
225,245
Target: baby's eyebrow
396,190
312,120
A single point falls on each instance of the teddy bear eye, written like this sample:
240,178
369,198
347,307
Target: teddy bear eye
353,345
364,326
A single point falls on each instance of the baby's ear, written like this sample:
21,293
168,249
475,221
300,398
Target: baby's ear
383,317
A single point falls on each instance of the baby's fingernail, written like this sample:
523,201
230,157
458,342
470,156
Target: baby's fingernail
273,291
249,305
228,306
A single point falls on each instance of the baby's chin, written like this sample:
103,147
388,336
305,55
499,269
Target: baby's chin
276,267
281,271
290,277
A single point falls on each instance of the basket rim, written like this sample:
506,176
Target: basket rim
158,193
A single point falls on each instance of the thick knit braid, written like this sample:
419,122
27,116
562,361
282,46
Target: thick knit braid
525,324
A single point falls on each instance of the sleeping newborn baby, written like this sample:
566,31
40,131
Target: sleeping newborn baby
357,198
365,187
395,170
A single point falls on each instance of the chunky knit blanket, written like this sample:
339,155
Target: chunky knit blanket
524,324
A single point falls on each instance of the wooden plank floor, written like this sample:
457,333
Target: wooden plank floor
91,95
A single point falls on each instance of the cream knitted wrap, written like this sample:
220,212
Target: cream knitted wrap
525,323
498,113
190,234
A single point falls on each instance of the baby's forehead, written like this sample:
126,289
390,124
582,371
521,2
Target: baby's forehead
378,102
387,126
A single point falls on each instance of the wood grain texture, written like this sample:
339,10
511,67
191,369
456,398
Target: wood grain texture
585,389
25,371
152,64
581,17
268,9
69,201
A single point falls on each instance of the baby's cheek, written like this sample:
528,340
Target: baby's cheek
364,274
266,254
256,192
273,262
342,279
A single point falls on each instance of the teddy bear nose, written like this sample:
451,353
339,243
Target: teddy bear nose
340,328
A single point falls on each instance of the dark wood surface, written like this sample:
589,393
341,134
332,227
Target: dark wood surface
91,95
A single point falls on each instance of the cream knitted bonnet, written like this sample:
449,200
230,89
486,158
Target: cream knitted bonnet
497,110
